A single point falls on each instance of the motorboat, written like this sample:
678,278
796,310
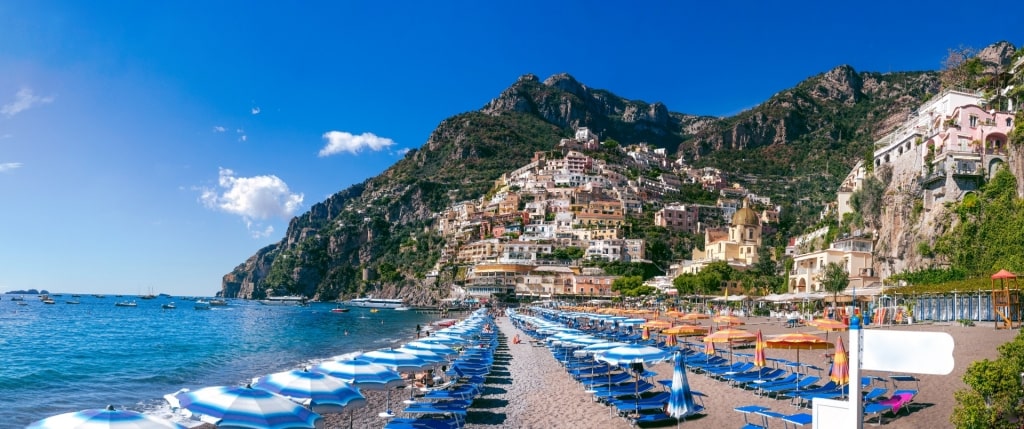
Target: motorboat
339,310
375,302
218,302
168,306
17,298
284,300
74,301
126,304
202,305
403,308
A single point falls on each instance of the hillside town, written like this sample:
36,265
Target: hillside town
520,238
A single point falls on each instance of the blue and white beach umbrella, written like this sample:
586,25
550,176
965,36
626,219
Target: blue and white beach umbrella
247,408
633,353
107,418
435,347
680,400
361,374
396,360
427,355
322,393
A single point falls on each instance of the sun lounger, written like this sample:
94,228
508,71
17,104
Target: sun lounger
759,374
780,389
658,417
899,400
604,393
747,410
606,380
875,393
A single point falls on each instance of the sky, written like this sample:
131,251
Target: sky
154,146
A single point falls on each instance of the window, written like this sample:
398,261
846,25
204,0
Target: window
1009,121
973,120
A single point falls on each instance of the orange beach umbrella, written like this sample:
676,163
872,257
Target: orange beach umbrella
728,320
686,330
840,364
760,360
798,341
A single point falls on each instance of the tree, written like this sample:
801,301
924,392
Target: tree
631,286
957,67
835,279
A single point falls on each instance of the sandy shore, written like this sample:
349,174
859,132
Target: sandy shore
529,389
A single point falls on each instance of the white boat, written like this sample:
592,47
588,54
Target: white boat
284,300
202,305
125,304
375,303
403,308
168,306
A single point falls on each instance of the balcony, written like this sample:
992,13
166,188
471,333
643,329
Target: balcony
935,177
968,173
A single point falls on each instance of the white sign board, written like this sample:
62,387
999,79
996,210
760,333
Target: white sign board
831,414
907,351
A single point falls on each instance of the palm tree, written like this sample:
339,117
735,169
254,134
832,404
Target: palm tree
834,279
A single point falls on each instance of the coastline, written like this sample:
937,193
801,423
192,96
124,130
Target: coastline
528,388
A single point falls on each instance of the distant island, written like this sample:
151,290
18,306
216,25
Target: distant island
28,292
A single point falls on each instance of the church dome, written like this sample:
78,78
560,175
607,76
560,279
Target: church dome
745,216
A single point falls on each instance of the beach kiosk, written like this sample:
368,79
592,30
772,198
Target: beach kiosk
1006,301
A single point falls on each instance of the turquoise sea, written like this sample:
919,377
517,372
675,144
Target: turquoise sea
56,358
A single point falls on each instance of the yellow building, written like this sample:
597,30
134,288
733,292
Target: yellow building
736,245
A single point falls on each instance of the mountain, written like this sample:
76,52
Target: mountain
379,230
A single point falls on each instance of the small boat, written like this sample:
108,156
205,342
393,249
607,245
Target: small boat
218,302
49,301
101,295
73,302
76,296
168,306
17,298
202,305
403,308
284,300
339,310
125,304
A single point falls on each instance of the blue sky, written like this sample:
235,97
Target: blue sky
157,145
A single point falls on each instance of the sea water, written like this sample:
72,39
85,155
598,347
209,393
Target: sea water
57,358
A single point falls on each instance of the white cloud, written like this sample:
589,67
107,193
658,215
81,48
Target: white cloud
23,101
340,141
219,129
256,110
9,166
253,198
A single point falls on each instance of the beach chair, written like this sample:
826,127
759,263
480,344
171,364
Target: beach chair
747,410
875,393
780,389
899,400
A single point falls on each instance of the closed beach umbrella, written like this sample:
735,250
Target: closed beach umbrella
760,360
840,364
247,408
680,400
322,393
671,341
106,418
645,334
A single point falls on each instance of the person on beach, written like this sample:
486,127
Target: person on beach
418,330
515,339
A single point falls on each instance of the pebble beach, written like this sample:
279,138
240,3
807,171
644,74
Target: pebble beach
528,388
